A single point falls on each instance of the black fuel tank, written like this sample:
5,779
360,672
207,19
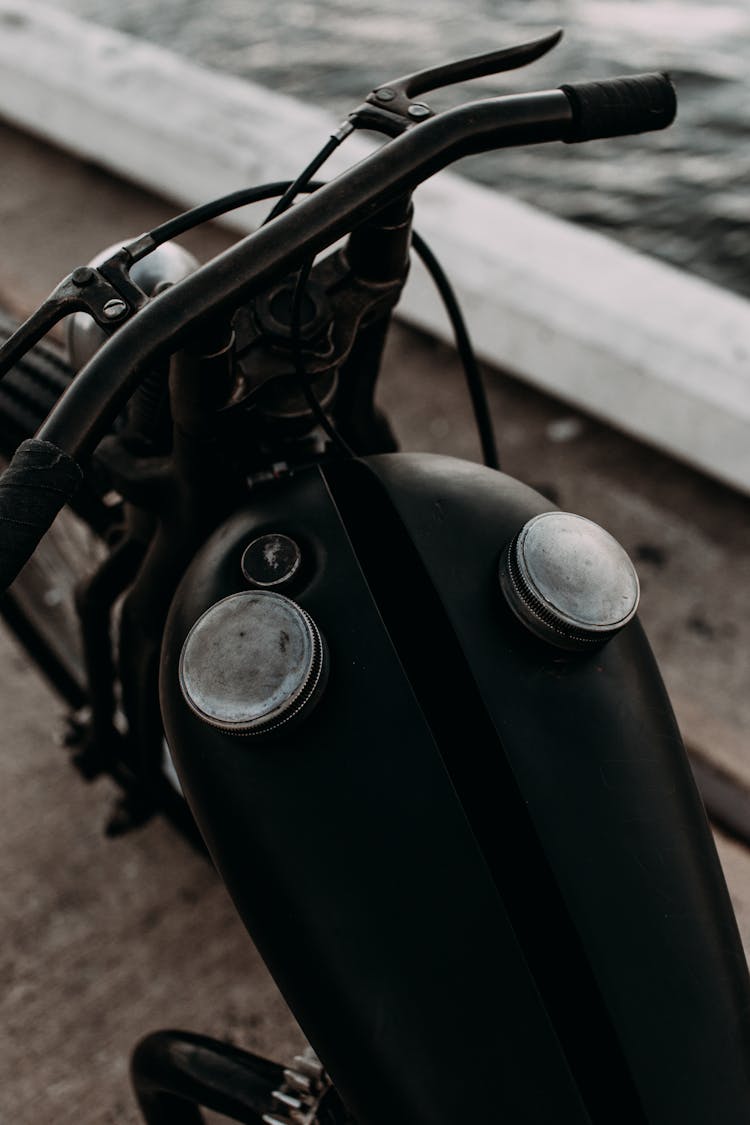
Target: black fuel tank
477,865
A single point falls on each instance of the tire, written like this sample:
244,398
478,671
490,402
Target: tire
39,607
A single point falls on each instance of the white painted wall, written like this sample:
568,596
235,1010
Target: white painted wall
658,353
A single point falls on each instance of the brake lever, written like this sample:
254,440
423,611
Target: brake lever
106,293
390,108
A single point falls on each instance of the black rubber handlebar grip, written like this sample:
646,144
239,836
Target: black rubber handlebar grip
39,480
615,107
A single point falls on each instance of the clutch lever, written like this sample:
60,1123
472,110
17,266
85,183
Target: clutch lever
106,293
390,108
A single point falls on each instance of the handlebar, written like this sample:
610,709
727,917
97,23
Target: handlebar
577,112
637,103
573,113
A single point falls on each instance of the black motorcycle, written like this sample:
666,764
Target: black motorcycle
408,701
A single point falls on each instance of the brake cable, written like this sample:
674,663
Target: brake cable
467,355
243,197
389,109
303,184
288,190
300,184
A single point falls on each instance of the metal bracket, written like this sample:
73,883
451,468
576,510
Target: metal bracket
106,293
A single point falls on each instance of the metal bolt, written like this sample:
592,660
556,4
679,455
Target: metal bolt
114,309
309,1063
419,109
287,1100
299,1081
84,275
386,94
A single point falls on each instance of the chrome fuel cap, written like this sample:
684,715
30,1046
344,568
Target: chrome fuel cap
271,560
253,662
569,581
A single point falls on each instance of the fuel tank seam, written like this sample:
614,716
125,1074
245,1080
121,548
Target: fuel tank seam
446,692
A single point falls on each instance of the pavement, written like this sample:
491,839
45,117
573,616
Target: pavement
107,940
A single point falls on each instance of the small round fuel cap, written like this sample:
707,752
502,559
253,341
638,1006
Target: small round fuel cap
569,581
253,662
271,560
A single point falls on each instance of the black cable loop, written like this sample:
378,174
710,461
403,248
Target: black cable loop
206,212
287,190
465,349
300,184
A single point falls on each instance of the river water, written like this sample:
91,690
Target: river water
682,195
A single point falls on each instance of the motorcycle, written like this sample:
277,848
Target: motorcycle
408,701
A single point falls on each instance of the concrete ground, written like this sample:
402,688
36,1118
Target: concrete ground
104,941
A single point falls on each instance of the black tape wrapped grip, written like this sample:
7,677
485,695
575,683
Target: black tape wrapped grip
39,480
617,107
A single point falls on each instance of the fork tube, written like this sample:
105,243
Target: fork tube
378,250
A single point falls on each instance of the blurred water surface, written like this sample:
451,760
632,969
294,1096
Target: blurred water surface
682,195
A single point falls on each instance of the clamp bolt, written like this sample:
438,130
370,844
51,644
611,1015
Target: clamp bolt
419,110
114,309
84,275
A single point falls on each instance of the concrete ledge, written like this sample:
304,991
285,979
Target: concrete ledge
655,352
